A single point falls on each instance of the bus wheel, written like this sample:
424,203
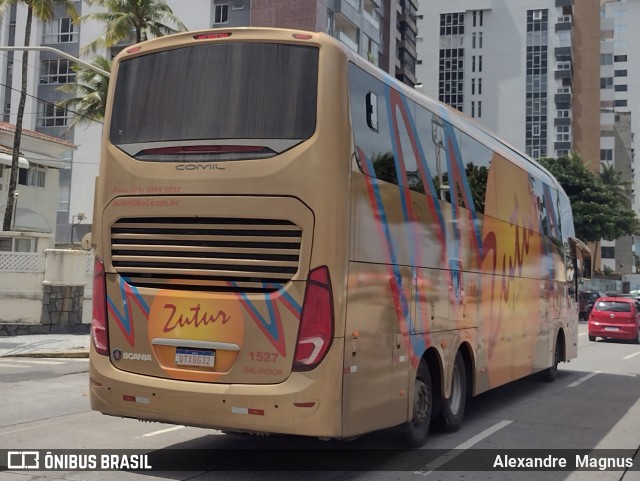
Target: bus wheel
551,373
417,428
452,412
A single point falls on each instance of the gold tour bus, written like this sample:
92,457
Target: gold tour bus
288,240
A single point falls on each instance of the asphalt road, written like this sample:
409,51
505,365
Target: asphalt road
594,403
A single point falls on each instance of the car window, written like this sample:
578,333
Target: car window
613,306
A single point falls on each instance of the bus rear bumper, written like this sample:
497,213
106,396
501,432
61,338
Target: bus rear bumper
306,403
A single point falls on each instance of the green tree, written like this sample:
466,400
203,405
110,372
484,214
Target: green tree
90,92
145,18
598,212
43,10
612,178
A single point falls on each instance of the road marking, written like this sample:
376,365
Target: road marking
162,431
34,361
632,355
583,379
458,450
14,365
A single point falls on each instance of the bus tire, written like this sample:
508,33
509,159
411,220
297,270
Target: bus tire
452,410
417,428
551,373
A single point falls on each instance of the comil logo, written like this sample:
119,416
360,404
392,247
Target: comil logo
23,460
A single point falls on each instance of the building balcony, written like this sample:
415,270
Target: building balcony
561,121
409,47
564,3
410,21
562,74
563,54
565,22
371,19
562,145
348,41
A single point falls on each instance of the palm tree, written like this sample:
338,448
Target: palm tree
43,10
620,188
90,92
144,18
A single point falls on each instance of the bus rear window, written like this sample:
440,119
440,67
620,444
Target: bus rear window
215,102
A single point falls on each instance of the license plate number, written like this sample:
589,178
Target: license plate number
610,328
195,357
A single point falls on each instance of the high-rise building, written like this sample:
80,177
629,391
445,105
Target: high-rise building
619,87
357,23
526,69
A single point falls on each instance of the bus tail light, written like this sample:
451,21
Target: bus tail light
316,322
99,318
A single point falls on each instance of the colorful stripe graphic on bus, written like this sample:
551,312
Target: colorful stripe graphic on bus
129,295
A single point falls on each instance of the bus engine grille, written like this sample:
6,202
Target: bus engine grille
206,253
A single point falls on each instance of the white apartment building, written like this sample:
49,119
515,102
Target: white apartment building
511,65
358,23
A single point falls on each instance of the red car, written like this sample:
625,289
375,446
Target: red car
615,318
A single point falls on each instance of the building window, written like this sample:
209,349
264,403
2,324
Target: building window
473,109
473,40
221,14
479,86
60,30
479,63
473,63
607,252
33,176
24,244
563,114
563,133
479,108
606,154
451,24
606,59
620,88
473,86
451,62
620,58
606,82
50,115
536,131
331,27
620,103
57,72
620,73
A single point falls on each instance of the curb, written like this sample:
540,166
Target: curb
52,354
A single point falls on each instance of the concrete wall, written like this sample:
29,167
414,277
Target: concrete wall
48,292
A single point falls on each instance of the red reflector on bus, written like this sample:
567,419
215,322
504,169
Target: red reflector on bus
134,49
302,36
316,322
99,310
205,36
126,397
304,405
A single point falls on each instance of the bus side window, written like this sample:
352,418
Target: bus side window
369,118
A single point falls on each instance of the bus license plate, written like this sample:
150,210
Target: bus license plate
195,357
